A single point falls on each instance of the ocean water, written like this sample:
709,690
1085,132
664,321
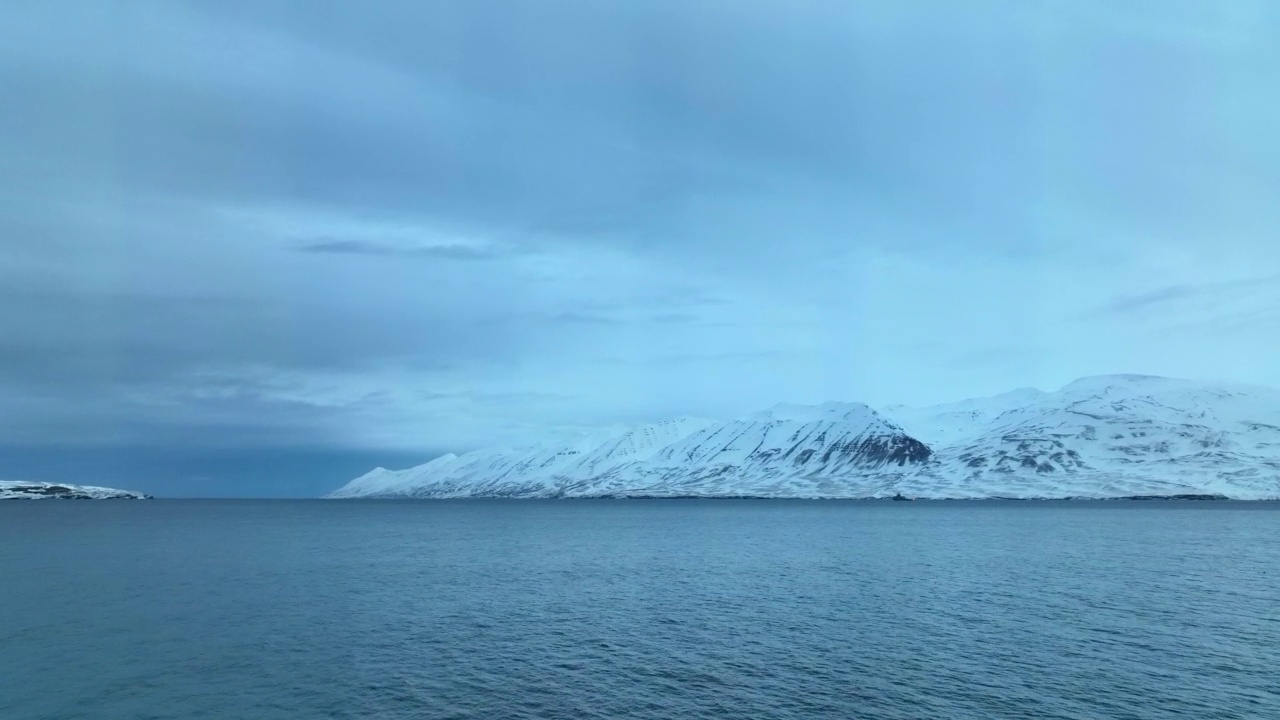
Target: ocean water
639,609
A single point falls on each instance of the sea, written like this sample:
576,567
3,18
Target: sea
614,609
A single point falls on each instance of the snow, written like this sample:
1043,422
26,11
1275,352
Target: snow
13,490
1106,436
787,451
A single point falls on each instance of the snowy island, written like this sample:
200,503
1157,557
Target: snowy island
1117,436
10,490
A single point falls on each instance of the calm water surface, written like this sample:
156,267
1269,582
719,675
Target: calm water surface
638,609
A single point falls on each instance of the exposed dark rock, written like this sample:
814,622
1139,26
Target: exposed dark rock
1174,497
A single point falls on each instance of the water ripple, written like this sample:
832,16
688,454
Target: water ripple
617,610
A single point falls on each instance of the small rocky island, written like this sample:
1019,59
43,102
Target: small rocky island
10,490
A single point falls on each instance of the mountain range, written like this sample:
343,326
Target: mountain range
14,490
1098,437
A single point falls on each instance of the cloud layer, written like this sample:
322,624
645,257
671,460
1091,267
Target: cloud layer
424,226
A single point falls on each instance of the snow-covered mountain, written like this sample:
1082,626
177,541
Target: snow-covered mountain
1110,436
1107,436
10,490
837,450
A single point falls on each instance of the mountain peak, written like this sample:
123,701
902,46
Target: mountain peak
1124,379
831,411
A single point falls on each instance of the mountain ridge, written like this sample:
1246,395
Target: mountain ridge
18,490
1099,436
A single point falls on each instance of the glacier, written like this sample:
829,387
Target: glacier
1098,437
15,490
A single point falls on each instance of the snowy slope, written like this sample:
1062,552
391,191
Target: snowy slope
1110,436
944,424
10,490
832,450
489,472
633,446
1107,436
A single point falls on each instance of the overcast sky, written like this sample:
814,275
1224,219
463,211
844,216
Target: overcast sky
257,247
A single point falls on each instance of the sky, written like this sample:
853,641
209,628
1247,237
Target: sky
254,248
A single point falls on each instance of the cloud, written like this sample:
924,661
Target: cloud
579,318
1233,289
673,318
1142,301
425,226
431,252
